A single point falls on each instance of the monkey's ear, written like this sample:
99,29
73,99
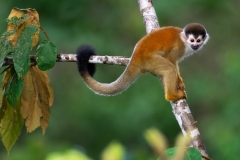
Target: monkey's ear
206,38
183,36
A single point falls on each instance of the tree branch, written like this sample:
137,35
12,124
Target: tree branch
187,123
112,60
149,15
181,109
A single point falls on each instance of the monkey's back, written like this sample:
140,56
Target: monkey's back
164,41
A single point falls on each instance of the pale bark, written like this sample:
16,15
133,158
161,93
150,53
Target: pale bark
149,15
187,123
114,60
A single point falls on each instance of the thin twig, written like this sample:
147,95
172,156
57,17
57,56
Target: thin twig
39,26
45,33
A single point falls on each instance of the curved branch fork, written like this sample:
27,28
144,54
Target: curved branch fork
188,124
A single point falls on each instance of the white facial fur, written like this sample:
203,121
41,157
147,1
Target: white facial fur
192,41
198,42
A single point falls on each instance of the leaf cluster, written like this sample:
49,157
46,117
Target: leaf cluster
116,151
26,91
181,152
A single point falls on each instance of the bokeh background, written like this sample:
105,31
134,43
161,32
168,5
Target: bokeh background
87,122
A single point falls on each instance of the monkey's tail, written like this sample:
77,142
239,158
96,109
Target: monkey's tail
84,52
87,70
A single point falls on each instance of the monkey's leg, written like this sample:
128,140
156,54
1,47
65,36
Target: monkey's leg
171,85
162,68
181,85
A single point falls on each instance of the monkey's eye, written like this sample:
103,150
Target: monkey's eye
198,40
191,40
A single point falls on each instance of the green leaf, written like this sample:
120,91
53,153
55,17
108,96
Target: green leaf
11,125
190,154
194,154
14,89
18,21
46,55
71,154
170,152
5,45
22,50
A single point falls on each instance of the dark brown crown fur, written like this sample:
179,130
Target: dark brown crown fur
195,29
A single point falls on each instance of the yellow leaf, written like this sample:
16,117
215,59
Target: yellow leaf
156,139
34,19
51,97
3,109
33,121
45,93
71,154
29,99
114,151
6,78
28,95
11,125
182,143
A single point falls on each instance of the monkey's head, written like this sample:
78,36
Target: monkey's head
195,35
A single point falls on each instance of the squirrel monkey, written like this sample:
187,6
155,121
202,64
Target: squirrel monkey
158,53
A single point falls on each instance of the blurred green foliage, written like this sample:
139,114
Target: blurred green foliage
84,121
67,155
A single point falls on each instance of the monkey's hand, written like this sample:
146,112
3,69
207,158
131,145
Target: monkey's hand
181,85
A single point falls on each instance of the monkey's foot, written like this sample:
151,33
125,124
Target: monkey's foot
177,96
181,86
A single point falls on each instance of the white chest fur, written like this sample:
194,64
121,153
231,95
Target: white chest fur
188,50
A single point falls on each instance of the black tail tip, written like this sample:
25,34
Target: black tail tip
84,52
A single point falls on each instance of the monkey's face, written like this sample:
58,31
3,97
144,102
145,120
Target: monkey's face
195,42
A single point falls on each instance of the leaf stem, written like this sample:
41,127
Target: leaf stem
6,68
45,33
